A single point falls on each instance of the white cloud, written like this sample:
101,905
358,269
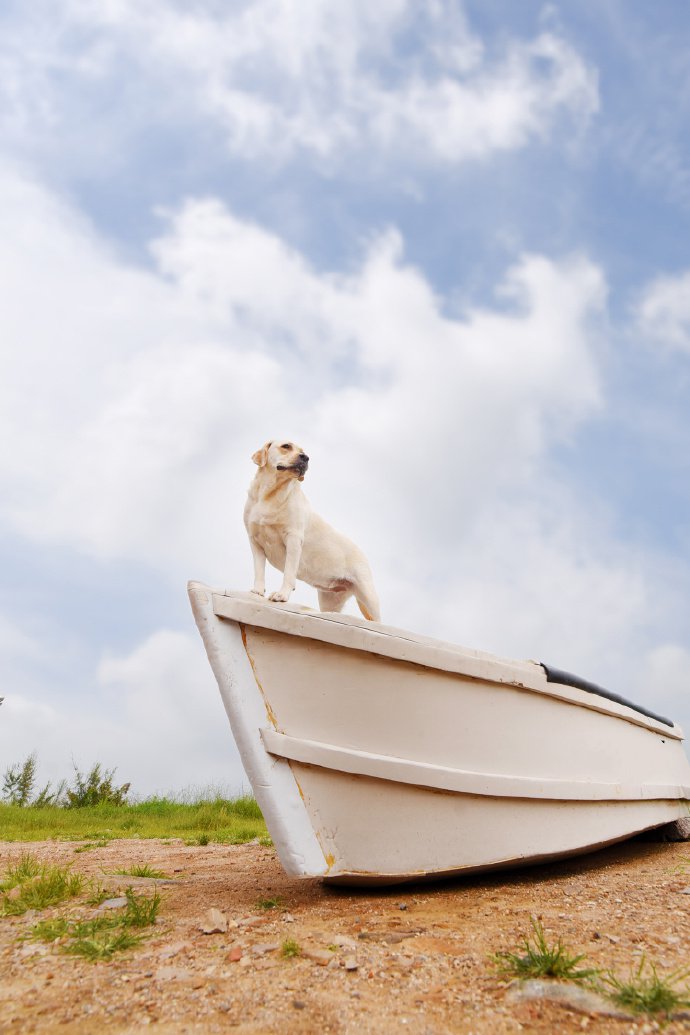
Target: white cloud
499,108
173,731
666,672
157,718
279,78
664,311
133,400
14,642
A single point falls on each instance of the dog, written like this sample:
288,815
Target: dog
284,529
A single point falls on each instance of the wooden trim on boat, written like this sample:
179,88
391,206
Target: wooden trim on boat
443,778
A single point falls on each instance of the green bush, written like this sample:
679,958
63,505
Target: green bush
97,787
19,782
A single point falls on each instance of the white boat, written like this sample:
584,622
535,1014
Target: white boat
379,756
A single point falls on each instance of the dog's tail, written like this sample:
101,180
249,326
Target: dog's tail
367,598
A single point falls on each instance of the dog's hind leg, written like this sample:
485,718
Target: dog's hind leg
333,599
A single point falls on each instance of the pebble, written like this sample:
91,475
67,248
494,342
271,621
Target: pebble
248,921
214,922
350,963
170,974
32,950
387,937
113,903
318,956
171,950
262,949
567,995
235,954
343,941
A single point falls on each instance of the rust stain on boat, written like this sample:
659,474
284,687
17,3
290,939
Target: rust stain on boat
328,856
271,715
301,792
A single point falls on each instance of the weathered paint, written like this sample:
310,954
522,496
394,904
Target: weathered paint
269,711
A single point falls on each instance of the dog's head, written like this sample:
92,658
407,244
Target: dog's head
285,458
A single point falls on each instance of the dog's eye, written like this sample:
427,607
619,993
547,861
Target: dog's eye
286,446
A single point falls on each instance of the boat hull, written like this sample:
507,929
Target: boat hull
379,757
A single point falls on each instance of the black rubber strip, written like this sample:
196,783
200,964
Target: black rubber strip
556,675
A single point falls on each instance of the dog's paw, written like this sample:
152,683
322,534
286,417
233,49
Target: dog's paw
278,597
259,592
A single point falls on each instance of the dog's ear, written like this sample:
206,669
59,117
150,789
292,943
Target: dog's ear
261,455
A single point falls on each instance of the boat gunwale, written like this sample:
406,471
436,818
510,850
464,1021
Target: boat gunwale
405,647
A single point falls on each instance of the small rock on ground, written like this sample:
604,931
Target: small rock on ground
214,922
572,996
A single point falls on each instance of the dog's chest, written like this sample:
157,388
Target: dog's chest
271,542
267,531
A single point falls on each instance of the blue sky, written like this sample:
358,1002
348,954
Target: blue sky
442,245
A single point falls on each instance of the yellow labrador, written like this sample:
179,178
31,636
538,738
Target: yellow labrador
283,528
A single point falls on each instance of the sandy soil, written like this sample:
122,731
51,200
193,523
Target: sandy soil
413,959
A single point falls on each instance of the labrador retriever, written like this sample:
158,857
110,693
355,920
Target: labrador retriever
283,528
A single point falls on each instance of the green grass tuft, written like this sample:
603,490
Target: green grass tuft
538,959
31,884
102,944
101,937
49,930
273,902
142,870
646,992
141,911
90,845
290,948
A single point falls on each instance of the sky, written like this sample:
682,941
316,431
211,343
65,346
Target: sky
443,245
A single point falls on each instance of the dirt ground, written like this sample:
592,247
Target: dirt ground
409,959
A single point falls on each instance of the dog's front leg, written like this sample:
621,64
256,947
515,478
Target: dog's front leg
293,551
259,557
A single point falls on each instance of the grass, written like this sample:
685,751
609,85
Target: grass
34,885
102,937
222,820
274,902
101,944
540,959
89,846
141,911
644,991
290,948
30,884
143,870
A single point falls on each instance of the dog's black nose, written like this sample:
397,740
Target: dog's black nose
304,458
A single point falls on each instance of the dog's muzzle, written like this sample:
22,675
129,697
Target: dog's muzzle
300,466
